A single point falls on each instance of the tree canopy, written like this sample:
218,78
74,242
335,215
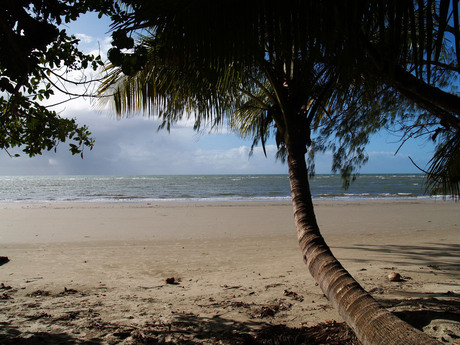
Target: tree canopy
35,56
400,52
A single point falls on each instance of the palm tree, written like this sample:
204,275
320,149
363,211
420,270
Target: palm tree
411,46
414,48
265,79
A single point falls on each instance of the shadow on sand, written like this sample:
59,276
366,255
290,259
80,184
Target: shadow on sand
190,329
439,257
12,336
421,311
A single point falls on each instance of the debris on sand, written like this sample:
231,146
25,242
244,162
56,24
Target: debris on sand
38,293
172,281
435,267
5,296
271,310
294,295
68,291
5,287
329,332
3,260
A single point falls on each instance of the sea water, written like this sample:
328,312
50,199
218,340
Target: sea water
222,188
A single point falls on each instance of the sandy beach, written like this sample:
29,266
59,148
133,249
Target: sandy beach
96,273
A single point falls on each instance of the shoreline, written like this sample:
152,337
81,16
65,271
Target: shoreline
237,200
97,272
211,201
88,222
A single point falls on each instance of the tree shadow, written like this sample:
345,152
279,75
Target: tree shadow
438,256
191,329
13,336
185,328
450,296
425,308
422,318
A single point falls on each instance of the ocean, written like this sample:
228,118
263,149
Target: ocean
210,188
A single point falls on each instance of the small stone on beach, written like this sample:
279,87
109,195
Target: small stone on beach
394,277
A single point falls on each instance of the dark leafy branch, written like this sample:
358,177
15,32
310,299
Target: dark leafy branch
34,52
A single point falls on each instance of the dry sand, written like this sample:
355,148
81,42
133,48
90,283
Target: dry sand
96,273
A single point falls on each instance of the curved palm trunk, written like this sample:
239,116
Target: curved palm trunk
372,323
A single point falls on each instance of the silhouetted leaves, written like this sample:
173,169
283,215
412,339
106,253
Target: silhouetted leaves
34,52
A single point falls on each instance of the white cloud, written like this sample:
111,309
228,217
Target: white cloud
84,38
134,146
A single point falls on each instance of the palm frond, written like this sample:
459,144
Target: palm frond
172,91
268,66
253,119
443,176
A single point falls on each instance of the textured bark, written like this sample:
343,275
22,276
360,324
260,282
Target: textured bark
372,323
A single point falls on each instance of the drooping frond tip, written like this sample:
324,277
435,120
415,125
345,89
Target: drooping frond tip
443,175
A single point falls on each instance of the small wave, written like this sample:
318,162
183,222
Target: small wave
126,197
186,196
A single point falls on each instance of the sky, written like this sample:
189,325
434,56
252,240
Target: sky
133,146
